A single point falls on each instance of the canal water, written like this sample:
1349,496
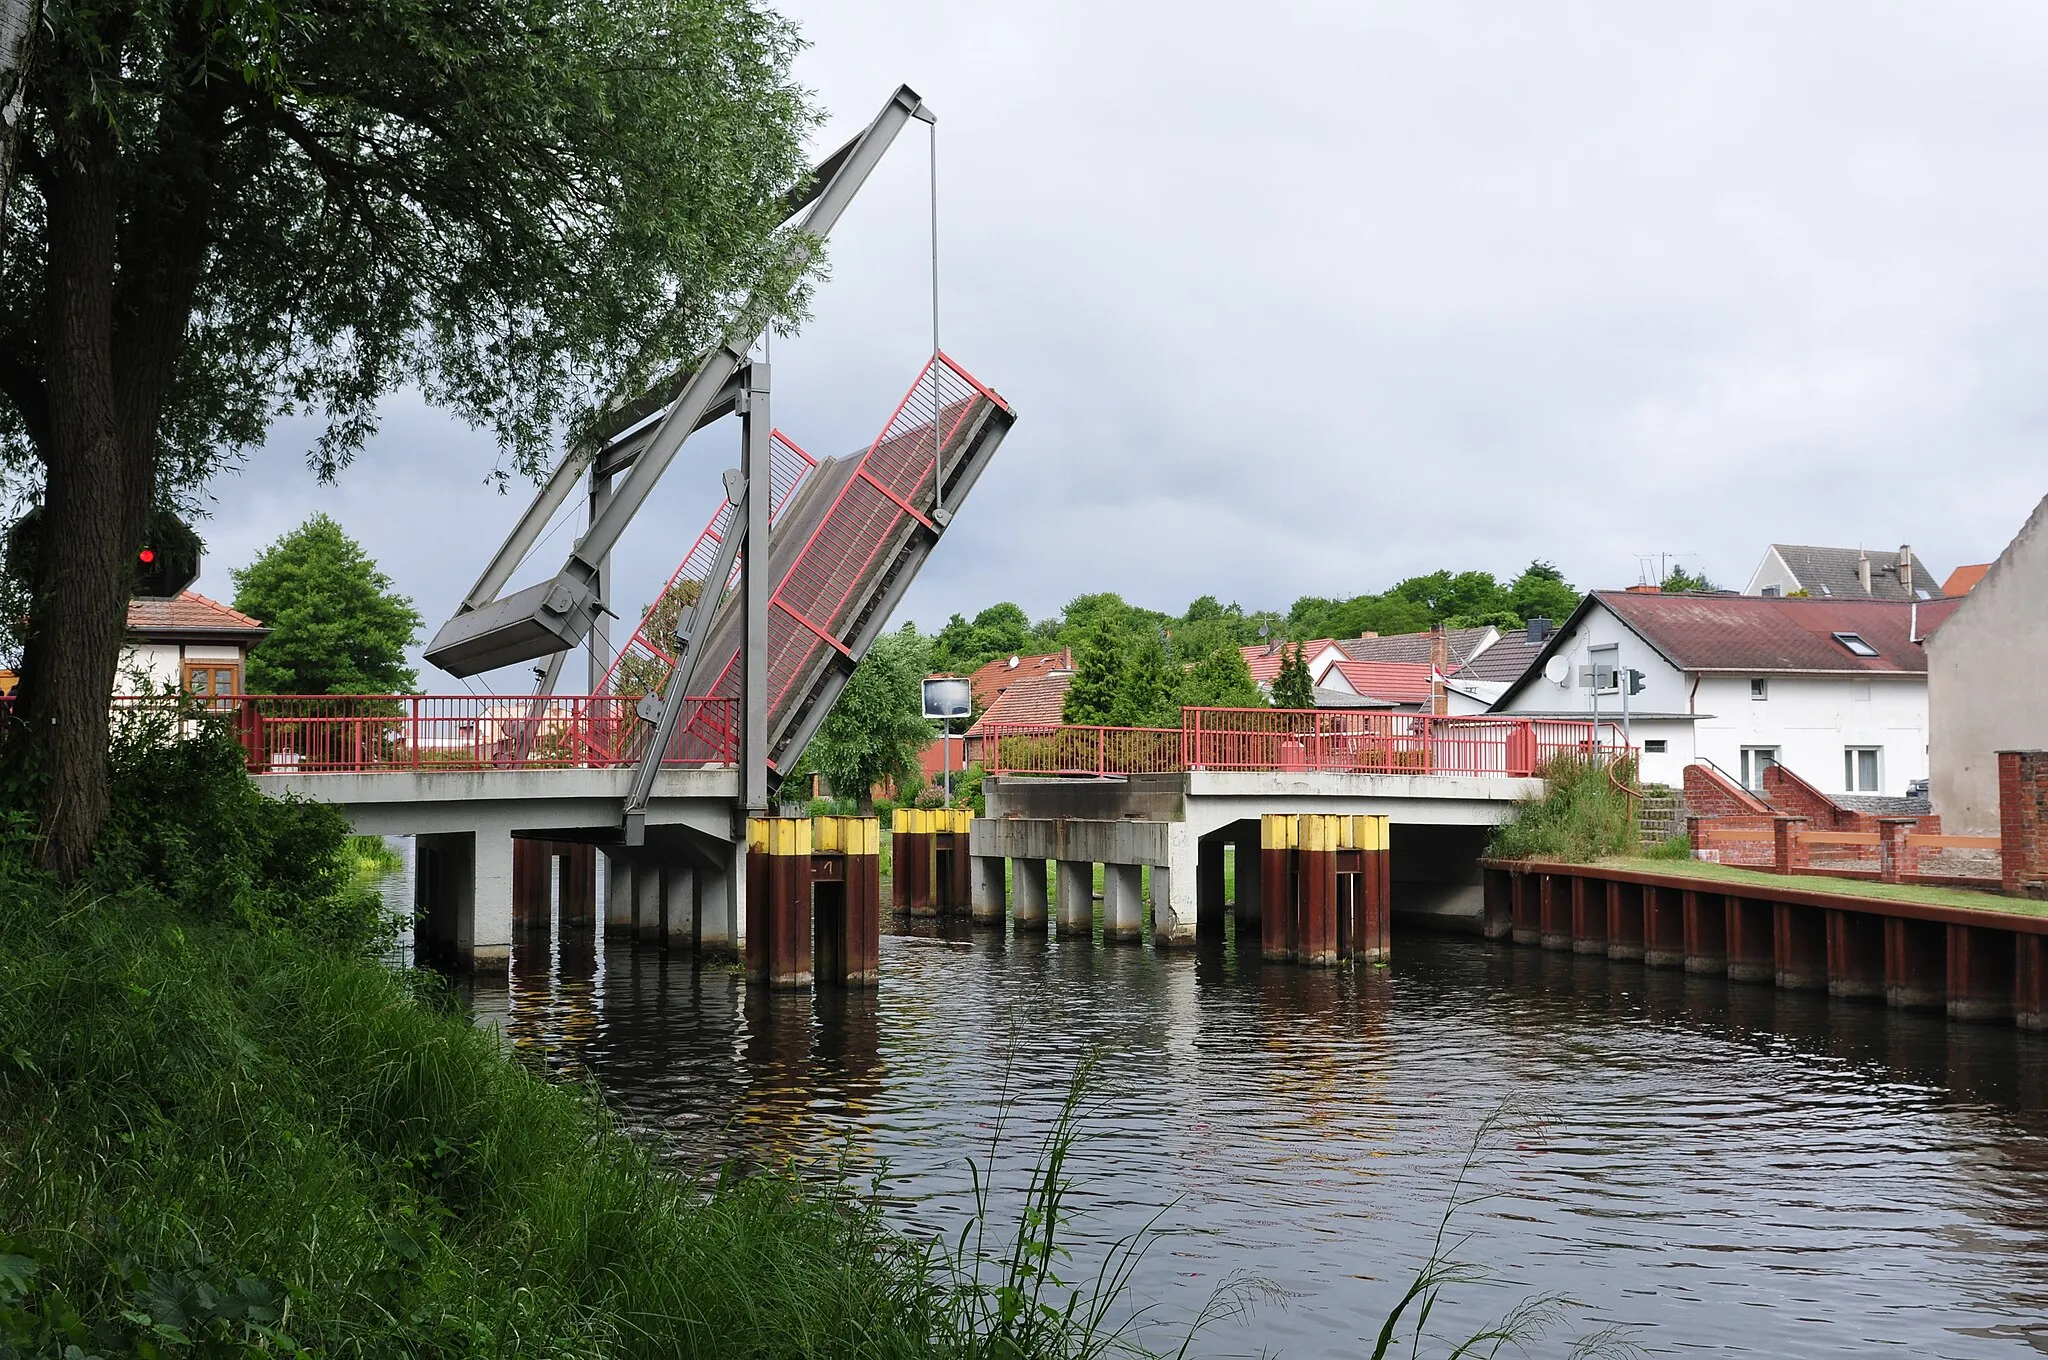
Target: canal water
1710,1167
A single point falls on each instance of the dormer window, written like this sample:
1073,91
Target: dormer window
1855,643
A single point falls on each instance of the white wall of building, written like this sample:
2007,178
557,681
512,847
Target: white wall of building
1987,676
1664,691
155,666
1772,573
1812,721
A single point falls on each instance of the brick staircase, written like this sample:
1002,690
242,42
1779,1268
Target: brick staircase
1661,816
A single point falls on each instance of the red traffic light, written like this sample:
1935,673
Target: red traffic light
148,555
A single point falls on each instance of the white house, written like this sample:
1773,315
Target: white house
1987,681
200,645
1834,690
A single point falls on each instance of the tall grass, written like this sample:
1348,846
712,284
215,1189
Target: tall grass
1581,816
214,1141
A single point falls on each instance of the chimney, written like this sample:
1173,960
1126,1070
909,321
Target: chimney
1369,633
1906,569
1645,589
1539,631
1863,570
1439,662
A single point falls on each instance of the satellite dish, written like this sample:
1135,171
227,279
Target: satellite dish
1557,670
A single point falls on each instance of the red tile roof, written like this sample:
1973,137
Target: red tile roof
1398,682
1035,699
1762,633
1265,658
189,612
991,680
1963,580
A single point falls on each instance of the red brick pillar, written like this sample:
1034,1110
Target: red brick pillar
1891,847
1788,851
2023,822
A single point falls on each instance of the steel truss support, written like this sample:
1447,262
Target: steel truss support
559,613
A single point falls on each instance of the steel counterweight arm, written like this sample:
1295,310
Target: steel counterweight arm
556,614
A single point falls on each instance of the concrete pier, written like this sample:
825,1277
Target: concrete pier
1123,902
1027,885
987,898
1076,892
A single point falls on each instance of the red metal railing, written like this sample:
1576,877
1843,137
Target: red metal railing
373,733
1283,739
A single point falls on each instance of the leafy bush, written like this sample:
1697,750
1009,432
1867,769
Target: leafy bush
1581,815
1677,847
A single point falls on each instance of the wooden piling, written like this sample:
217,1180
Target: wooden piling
1315,859
1277,834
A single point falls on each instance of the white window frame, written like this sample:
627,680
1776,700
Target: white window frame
1656,746
1851,768
1755,760
1759,689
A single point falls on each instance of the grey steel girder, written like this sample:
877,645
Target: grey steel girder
557,614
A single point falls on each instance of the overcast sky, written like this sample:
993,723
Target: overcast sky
1302,298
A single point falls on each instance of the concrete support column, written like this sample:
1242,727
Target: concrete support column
1027,881
618,897
1076,898
649,906
722,903
466,879
1175,890
1123,902
988,891
678,905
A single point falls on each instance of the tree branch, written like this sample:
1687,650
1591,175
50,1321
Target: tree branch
25,392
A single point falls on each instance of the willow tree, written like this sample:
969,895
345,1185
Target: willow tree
229,210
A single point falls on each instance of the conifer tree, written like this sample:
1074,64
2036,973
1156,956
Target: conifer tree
1098,673
1222,680
1293,688
1147,690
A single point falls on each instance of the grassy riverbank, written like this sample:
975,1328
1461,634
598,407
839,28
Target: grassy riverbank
1840,887
226,1130
207,1132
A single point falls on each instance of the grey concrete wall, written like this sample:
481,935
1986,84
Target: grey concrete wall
1153,797
1436,876
1987,682
1097,842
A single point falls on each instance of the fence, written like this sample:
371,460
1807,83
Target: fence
1894,853
287,734
1281,739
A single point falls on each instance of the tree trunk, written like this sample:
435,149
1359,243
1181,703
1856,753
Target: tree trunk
18,22
96,503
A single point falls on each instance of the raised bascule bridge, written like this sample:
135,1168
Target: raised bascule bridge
667,765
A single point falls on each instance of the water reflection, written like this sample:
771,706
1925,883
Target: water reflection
1728,1168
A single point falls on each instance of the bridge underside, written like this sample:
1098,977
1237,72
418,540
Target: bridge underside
1182,826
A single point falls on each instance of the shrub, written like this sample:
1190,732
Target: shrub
1580,816
1677,847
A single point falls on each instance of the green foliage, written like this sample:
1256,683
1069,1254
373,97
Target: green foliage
1221,680
1098,674
1148,686
877,728
1676,847
1581,816
1293,687
998,631
515,205
638,673
1679,581
1542,592
336,624
215,1142
189,829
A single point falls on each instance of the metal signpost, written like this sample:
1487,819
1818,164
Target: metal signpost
947,698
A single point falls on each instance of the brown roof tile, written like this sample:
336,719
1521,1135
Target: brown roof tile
990,680
1759,633
189,612
1035,699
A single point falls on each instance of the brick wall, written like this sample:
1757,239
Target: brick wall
2023,821
1790,794
1709,793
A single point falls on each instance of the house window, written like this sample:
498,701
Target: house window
1860,768
1759,689
212,679
1755,760
1655,746
1855,643
1770,592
